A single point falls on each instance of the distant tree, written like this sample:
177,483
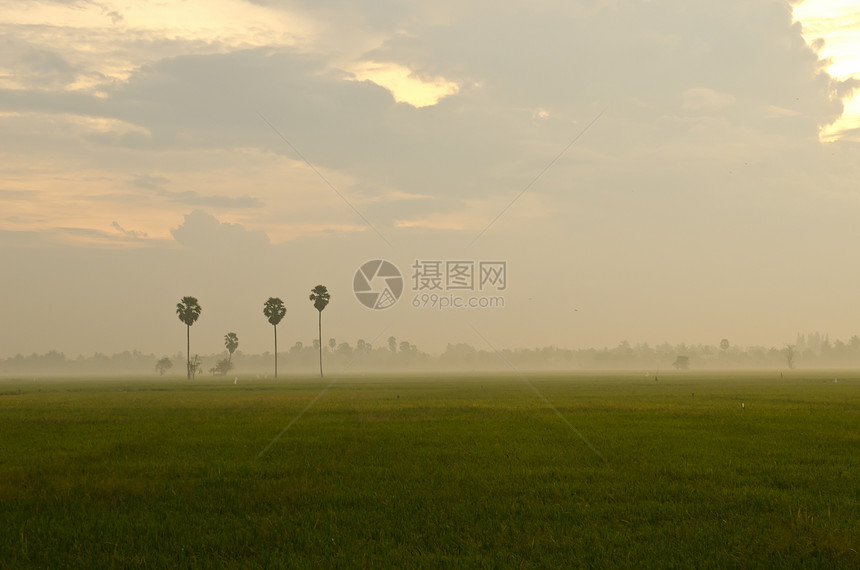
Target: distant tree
297,348
404,346
222,367
360,345
724,344
392,344
163,366
332,343
188,310
682,362
344,350
789,352
274,310
231,342
320,297
194,366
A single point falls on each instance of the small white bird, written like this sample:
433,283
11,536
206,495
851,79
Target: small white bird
742,406
235,380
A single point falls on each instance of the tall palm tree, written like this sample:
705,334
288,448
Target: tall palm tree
231,342
320,297
274,310
188,310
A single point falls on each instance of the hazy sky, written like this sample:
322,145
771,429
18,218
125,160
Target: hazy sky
235,150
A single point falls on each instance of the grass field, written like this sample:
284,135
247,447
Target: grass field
471,471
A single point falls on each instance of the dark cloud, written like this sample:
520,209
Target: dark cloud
157,186
130,233
95,236
18,195
114,16
562,56
41,68
636,59
216,101
345,16
149,182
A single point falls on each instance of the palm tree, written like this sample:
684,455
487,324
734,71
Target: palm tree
274,310
188,310
231,342
320,297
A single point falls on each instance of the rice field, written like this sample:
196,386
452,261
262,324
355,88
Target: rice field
545,470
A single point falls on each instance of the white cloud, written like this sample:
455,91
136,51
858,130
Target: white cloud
832,28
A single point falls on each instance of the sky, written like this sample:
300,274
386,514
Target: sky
672,171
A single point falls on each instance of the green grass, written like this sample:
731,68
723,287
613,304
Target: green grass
472,471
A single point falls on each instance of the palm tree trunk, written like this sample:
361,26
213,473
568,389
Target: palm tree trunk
188,350
276,350
320,332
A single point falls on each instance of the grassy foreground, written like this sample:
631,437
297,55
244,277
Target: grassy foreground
472,471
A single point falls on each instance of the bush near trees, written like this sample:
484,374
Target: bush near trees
163,366
222,367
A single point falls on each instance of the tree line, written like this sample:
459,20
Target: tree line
808,351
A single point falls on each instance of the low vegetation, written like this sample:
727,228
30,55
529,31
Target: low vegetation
687,470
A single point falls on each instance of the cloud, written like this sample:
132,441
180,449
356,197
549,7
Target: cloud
404,85
97,239
484,140
704,99
150,182
192,198
43,68
115,17
156,185
775,112
130,233
18,195
204,232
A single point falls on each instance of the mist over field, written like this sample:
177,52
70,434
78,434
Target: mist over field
809,352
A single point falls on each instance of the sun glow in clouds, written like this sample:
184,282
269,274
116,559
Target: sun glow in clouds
404,85
107,41
837,22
